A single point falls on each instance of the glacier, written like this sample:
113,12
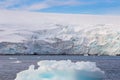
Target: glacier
50,33
62,70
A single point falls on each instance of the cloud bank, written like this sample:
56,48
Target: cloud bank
35,5
43,4
64,6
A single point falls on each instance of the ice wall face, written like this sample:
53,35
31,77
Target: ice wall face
62,70
62,39
42,33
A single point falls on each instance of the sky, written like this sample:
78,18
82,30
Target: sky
63,6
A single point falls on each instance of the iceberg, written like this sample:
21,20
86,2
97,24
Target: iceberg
62,70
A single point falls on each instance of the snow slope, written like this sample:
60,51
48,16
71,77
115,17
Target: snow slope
50,33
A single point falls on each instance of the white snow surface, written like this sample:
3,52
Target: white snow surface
51,33
62,70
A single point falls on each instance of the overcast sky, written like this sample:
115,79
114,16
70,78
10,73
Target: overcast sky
63,6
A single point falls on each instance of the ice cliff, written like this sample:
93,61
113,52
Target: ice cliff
33,33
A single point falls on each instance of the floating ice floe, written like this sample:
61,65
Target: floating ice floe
62,70
11,58
17,62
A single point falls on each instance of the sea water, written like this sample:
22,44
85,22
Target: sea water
8,69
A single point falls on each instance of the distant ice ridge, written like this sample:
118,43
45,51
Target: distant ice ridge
62,70
42,33
100,39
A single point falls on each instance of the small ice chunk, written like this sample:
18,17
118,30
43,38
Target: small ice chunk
17,62
32,67
12,58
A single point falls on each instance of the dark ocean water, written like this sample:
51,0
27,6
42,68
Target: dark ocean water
11,65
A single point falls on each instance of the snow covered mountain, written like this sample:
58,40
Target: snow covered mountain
42,33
